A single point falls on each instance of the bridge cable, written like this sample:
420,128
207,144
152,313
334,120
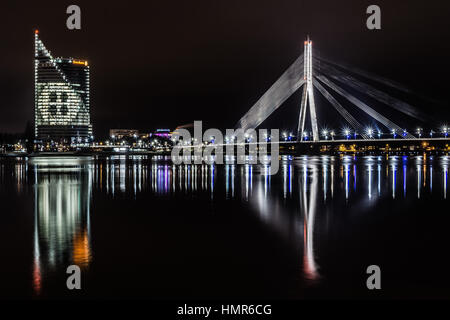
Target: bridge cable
374,93
291,80
361,105
376,78
342,111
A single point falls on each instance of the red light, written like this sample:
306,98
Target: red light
36,31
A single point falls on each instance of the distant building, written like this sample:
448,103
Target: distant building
133,133
123,133
164,133
62,106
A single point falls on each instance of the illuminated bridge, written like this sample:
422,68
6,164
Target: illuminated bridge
331,79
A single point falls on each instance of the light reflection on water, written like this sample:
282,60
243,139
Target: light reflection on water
291,202
62,192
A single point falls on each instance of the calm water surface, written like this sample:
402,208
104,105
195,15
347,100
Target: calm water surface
141,227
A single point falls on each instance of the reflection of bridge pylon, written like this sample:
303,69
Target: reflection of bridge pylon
308,95
310,267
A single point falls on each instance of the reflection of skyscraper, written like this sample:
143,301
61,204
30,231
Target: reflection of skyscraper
62,108
62,208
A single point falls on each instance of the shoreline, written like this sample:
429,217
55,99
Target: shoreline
295,154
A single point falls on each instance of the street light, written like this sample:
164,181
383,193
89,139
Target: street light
332,135
394,133
325,133
370,132
445,130
419,132
347,133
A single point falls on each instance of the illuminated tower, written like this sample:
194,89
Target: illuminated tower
61,105
308,96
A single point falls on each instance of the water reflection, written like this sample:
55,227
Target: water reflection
296,204
444,163
125,175
394,176
310,268
248,178
369,165
63,190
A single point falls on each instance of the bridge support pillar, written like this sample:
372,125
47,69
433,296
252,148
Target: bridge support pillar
308,97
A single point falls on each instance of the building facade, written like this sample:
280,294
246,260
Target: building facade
62,105
123,133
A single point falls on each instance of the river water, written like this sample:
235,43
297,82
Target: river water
140,227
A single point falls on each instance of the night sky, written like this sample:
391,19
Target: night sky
167,63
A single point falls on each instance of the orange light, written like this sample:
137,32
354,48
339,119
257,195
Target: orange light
80,62
36,31
81,249
306,42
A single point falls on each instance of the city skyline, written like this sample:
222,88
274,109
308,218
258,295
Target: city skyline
224,158
208,69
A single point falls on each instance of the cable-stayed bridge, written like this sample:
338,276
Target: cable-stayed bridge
331,79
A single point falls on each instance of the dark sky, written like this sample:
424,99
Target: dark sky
166,63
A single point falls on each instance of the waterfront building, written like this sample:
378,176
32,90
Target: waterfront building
123,133
62,105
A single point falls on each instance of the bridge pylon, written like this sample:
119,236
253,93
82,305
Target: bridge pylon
308,96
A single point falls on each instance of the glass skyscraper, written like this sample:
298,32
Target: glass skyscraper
61,107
